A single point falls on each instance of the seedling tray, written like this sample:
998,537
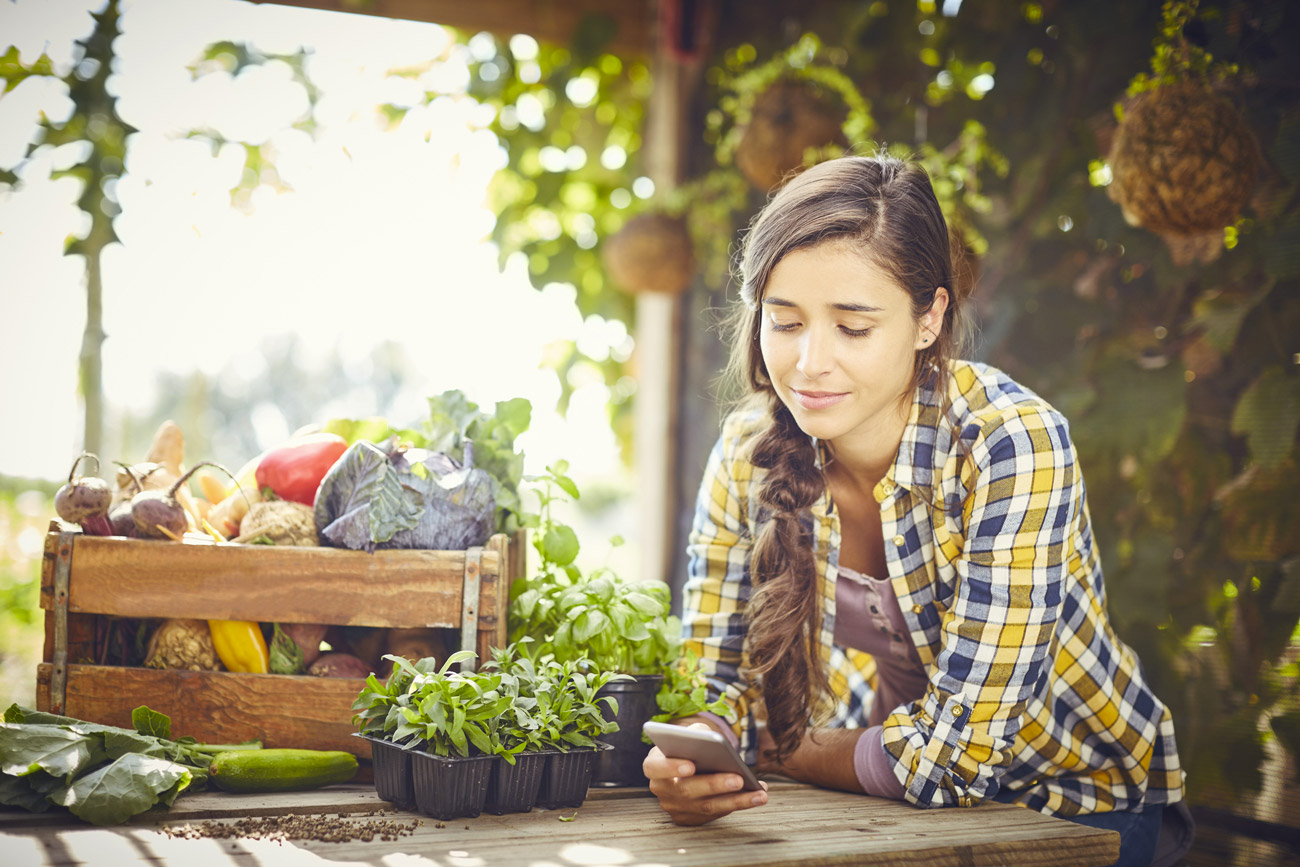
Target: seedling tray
450,787
513,788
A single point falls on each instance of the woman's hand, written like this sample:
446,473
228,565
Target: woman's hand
694,799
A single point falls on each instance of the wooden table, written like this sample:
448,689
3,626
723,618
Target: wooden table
799,825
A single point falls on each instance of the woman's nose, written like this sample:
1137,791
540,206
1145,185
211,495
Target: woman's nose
814,356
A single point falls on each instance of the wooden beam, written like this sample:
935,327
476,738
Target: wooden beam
553,21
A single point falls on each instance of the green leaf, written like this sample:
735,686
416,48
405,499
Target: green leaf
394,507
560,545
151,722
59,752
1137,412
124,788
18,792
567,485
645,605
1268,415
286,657
1220,315
592,623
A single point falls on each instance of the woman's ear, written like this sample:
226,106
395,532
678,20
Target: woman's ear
932,319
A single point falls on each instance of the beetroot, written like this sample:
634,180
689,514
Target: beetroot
339,665
158,514
85,500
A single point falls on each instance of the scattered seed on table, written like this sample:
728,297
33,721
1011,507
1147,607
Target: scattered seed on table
306,827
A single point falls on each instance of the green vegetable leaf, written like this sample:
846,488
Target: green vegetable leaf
18,792
151,722
286,656
393,506
128,786
59,752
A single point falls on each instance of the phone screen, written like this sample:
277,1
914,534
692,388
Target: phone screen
710,752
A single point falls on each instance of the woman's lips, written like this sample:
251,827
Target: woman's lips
818,399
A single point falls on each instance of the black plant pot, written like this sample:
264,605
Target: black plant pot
392,769
621,766
449,787
513,788
567,777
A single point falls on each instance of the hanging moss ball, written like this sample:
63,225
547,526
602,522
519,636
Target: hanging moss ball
651,253
1184,161
788,118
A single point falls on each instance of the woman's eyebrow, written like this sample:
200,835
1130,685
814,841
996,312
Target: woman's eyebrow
845,306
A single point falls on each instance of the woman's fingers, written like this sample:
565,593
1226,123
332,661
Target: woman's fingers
693,799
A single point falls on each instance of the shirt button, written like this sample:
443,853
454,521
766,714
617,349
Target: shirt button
917,609
956,711
899,541
886,487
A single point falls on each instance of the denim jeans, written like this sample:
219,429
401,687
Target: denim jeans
1138,831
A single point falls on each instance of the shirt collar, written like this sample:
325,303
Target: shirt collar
914,465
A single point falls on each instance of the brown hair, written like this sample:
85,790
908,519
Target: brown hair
885,209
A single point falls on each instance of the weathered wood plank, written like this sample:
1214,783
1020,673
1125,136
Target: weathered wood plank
801,825
138,578
218,706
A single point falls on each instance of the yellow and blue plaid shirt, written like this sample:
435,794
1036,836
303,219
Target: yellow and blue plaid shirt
991,555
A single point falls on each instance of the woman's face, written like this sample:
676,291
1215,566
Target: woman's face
839,341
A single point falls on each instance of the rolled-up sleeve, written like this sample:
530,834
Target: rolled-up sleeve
717,588
1024,495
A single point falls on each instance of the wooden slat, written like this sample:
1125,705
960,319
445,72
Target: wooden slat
803,826
217,706
547,20
137,578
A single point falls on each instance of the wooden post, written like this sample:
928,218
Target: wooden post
658,326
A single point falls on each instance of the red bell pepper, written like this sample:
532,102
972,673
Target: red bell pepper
294,470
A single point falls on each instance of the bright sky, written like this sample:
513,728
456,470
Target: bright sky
384,236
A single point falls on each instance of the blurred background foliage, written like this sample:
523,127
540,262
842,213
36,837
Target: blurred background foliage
1179,373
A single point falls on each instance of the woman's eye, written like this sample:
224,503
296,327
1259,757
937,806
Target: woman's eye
855,332
787,326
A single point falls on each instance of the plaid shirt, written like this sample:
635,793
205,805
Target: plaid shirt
991,555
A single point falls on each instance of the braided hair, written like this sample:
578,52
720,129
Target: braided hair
886,210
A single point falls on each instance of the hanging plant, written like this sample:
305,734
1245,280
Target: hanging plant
790,112
1184,160
652,252
787,120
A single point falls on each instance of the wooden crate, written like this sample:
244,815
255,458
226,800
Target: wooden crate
85,577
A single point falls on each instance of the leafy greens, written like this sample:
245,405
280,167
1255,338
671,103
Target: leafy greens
102,774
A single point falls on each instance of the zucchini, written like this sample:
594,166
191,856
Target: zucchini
280,770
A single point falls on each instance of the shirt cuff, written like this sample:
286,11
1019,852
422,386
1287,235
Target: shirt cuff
874,766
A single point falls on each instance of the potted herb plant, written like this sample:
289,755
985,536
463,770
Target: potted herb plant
447,723
617,625
557,715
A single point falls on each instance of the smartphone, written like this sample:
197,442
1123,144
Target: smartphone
711,752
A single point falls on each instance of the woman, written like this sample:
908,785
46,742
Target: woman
924,520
